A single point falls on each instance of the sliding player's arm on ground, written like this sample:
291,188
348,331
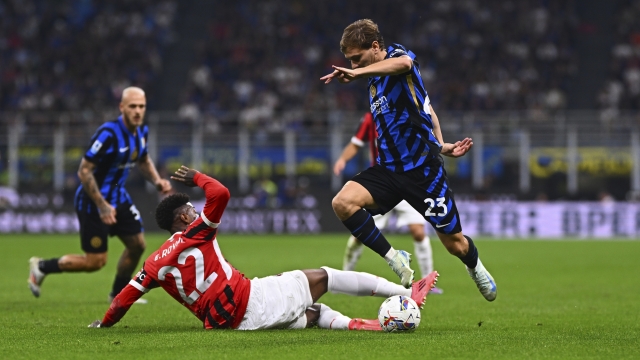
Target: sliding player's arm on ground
138,286
457,149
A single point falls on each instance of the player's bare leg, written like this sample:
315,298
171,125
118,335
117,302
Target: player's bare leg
40,268
128,262
463,247
423,252
349,206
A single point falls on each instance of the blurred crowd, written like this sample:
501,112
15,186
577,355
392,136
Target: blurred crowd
622,90
265,57
79,54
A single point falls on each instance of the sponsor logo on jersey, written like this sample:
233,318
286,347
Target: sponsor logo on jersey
380,105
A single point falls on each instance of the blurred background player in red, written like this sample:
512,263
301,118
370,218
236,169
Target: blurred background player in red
191,268
405,214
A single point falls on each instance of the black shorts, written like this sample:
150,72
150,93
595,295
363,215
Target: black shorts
425,188
94,233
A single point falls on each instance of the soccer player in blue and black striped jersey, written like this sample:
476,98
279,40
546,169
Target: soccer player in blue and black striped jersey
102,203
409,166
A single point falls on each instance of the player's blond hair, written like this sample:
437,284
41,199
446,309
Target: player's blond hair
360,35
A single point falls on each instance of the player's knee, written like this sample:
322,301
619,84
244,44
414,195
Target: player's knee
138,247
341,204
95,262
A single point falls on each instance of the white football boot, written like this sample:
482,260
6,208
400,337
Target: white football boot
35,276
484,281
400,264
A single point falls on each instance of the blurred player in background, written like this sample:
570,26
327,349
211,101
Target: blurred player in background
406,215
409,147
191,268
102,203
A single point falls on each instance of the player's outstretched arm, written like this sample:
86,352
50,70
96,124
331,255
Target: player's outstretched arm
119,307
457,149
386,67
150,173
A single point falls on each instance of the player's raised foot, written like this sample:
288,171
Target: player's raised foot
364,324
140,301
351,254
400,264
35,276
420,289
484,281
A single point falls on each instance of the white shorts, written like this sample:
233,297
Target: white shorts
406,215
278,302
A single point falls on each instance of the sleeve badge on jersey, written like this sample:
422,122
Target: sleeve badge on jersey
372,91
397,52
96,146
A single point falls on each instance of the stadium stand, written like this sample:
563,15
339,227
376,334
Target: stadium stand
622,89
79,54
475,55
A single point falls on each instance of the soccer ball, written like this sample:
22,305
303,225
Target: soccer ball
399,313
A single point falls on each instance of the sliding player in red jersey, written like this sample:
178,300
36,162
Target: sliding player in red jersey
190,267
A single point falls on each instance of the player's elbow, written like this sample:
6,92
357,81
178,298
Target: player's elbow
224,194
407,63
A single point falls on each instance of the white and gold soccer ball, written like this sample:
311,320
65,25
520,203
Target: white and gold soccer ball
399,313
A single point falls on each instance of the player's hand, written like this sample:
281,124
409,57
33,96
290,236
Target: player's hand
343,75
107,213
339,166
95,324
163,186
457,149
185,176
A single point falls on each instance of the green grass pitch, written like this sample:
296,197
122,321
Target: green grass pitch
557,299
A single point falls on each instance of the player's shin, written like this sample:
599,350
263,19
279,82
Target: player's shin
361,284
331,319
471,257
362,226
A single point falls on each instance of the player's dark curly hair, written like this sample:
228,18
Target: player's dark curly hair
165,212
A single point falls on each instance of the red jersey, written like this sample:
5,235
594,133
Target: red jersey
190,267
367,133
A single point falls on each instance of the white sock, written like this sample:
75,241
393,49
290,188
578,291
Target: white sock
352,253
390,254
424,255
331,319
362,284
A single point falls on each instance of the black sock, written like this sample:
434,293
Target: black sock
471,259
363,227
49,266
118,284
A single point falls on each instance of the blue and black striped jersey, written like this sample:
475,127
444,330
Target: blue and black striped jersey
400,107
114,150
